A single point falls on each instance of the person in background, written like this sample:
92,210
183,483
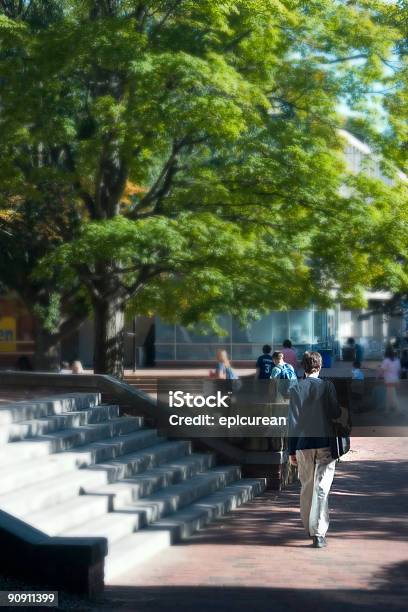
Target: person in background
264,363
223,369
76,367
281,369
289,354
357,388
313,403
356,371
357,348
391,370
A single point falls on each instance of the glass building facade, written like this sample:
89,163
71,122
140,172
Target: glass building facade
305,328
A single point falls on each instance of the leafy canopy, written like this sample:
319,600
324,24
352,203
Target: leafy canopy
199,139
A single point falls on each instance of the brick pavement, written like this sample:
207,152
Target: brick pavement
257,558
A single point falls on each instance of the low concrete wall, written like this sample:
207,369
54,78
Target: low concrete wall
70,564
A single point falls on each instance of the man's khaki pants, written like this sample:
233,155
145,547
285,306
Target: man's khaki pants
316,471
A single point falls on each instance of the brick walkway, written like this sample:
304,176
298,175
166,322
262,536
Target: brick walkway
257,558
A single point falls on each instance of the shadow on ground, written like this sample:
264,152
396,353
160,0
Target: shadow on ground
388,594
387,597
368,503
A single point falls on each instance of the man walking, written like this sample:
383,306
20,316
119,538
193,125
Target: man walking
313,405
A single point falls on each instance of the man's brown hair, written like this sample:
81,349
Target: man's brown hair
311,362
277,356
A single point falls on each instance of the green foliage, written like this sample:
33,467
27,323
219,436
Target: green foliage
49,315
198,142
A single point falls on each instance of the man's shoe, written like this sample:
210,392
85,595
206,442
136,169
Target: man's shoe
319,542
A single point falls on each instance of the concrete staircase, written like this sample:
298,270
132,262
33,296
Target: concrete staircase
73,467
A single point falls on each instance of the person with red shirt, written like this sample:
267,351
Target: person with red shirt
289,354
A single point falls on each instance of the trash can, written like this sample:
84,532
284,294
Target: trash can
327,357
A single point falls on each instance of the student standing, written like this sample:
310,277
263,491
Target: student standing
289,354
281,369
313,404
391,369
357,349
264,363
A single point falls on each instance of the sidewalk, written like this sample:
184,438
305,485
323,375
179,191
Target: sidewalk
257,558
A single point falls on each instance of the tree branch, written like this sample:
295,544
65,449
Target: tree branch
349,58
86,277
145,274
235,41
165,180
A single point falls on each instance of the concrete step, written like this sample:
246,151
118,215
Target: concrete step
128,490
115,465
144,544
195,516
41,426
32,409
132,464
14,452
106,450
172,498
35,470
113,526
63,517
50,492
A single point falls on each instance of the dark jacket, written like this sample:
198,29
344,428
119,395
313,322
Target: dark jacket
313,405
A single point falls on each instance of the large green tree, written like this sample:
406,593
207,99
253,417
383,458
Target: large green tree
199,140
38,209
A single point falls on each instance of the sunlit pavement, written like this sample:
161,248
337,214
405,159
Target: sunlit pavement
258,558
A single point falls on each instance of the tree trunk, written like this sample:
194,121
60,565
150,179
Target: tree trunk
47,355
109,325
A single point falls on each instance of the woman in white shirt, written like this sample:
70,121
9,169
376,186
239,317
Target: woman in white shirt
391,369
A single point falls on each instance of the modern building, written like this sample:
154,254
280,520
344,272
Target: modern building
307,329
